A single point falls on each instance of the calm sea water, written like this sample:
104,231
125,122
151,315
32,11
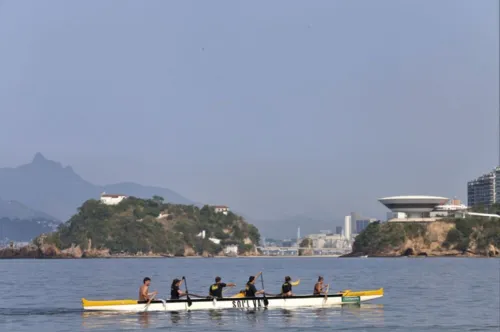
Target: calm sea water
428,294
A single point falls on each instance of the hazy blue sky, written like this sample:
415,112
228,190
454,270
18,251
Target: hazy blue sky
273,107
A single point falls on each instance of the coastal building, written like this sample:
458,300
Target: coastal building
338,230
112,199
203,235
221,209
415,208
324,240
347,228
231,250
359,223
485,189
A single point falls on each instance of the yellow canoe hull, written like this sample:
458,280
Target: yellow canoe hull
87,303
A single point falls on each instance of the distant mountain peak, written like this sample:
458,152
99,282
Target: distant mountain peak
39,158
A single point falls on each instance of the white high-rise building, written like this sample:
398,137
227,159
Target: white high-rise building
347,228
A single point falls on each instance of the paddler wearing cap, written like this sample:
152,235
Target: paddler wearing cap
175,292
250,290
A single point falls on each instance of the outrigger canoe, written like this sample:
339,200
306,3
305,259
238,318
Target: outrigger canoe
344,297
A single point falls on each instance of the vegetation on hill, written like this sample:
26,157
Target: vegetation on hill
152,226
471,235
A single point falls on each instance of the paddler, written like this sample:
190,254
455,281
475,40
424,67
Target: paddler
318,287
215,290
286,288
144,294
175,292
250,290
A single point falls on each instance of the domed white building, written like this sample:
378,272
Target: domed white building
412,207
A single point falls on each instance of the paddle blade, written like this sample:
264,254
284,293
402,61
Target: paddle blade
266,302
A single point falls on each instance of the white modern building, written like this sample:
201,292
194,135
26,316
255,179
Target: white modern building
413,208
347,228
221,209
112,199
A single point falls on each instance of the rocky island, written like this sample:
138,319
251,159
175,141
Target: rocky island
466,237
143,227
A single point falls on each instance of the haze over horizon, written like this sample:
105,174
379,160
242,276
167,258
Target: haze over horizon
275,109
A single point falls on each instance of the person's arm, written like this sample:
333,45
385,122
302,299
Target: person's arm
260,292
257,275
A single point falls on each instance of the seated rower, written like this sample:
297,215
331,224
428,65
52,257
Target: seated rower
175,292
286,288
144,294
215,290
318,287
250,290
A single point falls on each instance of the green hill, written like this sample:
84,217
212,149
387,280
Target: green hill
152,226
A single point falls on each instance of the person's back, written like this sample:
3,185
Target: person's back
286,288
318,287
250,290
174,290
216,290
143,290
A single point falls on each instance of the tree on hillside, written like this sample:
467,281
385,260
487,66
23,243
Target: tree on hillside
158,199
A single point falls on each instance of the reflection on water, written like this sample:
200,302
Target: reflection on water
175,317
144,319
253,319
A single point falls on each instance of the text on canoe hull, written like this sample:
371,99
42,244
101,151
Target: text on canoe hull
257,303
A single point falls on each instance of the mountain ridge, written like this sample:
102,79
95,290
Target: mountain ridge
49,187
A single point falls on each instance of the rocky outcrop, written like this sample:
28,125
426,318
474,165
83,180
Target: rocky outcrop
443,238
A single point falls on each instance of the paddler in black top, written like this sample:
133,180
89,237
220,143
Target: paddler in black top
318,287
250,290
175,292
286,288
216,289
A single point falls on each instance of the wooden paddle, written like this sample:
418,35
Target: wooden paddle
149,302
187,292
266,302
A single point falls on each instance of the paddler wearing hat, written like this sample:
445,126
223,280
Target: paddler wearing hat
250,290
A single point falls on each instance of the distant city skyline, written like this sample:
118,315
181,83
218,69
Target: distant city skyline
276,110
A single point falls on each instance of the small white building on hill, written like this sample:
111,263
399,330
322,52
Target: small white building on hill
112,199
221,209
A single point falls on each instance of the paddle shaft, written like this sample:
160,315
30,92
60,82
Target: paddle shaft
187,291
264,293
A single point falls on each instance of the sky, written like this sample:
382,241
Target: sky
274,108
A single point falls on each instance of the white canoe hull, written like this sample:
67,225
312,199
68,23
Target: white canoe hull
231,303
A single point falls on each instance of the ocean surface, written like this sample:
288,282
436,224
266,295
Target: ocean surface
421,294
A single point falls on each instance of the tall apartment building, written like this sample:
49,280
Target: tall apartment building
484,190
